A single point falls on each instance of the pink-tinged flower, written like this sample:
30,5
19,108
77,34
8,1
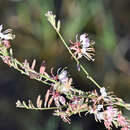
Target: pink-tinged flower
63,84
88,53
62,100
64,116
122,121
6,59
76,104
83,48
125,128
6,43
76,47
85,41
55,96
42,68
63,76
64,87
67,86
6,35
109,116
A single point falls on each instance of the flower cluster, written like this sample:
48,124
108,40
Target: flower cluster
30,70
83,47
61,86
52,19
5,44
62,95
103,107
6,55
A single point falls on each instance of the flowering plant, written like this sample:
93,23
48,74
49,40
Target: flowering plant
62,96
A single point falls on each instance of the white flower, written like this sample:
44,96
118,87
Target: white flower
83,50
103,92
1,27
7,35
99,107
63,76
86,54
84,41
79,55
100,116
82,37
91,111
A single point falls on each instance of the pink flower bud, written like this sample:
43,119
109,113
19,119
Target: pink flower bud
42,68
6,43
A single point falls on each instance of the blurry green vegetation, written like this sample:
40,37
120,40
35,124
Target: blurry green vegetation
106,22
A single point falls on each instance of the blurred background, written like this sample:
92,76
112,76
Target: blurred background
107,23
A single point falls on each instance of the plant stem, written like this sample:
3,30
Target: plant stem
46,108
44,76
83,69
18,65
